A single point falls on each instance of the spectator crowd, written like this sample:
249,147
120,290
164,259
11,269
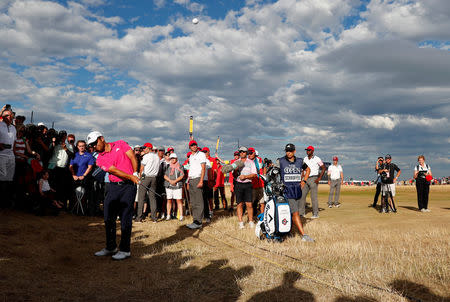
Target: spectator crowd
46,171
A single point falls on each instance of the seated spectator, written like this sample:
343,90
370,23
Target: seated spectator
47,193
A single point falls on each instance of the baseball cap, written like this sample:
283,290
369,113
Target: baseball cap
289,147
161,148
189,154
192,142
170,149
335,158
310,148
136,146
244,149
148,145
92,137
236,153
173,155
205,149
251,149
387,156
41,124
256,152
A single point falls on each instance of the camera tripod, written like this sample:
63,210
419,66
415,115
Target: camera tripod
386,201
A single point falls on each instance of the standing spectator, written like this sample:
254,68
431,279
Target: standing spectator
335,180
117,158
291,174
422,175
208,185
197,170
59,167
314,163
231,179
380,161
243,188
71,141
257,182
80,167
173,177
150,166
219,187
388,179
161,198
7,160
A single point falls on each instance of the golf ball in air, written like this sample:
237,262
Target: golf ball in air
195,20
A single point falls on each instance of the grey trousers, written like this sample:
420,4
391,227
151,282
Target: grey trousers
150,182
335,189
310,186
196,198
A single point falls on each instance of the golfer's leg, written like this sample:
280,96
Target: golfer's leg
110,213
128,193
298,223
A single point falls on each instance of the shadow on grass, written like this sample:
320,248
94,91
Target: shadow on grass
356,299
285,292
410,208
416,292
446,208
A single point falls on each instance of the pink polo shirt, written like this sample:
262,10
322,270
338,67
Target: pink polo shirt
118,158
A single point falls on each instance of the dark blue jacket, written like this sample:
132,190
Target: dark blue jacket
291,175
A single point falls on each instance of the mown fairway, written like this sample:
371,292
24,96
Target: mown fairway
359,255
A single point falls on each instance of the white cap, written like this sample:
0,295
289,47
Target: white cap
173,155
256,152
41,124
137,146
92,137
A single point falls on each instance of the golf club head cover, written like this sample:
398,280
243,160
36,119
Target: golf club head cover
231,167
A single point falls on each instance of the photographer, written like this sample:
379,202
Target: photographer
59,166
422,175
388,180
380,161
7,159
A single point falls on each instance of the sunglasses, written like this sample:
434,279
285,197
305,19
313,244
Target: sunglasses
251,152
242,151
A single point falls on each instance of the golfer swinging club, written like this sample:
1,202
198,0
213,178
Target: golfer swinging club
117,158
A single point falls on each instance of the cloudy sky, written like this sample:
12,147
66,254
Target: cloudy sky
356,79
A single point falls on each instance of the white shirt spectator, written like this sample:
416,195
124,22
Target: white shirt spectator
195,164
151,164
7,136
314,164
249,168
60,157
207,167
334,172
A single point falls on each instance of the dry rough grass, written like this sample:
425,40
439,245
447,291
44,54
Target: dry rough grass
359,255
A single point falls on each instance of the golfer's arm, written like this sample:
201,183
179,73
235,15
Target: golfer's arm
398,174
119,173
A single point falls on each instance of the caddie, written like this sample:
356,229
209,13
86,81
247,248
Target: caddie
291,175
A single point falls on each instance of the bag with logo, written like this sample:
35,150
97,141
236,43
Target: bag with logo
275,223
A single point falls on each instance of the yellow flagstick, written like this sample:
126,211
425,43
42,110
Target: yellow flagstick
191,127
217,144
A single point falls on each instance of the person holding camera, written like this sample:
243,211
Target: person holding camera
380,161
423,176
7,159
388,179
59,166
